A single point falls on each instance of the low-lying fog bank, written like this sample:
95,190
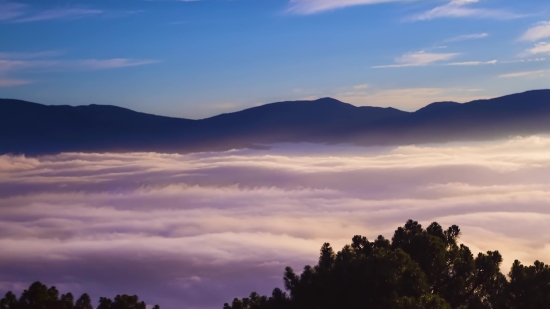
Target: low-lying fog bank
197,230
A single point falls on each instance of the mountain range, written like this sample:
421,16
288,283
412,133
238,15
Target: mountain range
34,129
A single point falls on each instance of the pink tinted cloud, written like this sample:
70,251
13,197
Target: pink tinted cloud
96,64
151,223
464,9
13,82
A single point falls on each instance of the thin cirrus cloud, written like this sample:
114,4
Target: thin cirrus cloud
72,13
95,64
420,58
31,55
13,82
407,99
538,32
11,10
21,13
306,7
197,230
472,63
461,9
70,65
46,61
466,37
526,74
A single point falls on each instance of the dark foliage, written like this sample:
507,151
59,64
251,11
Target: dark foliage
39,296
418,269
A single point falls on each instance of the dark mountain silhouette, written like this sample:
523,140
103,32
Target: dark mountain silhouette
33,128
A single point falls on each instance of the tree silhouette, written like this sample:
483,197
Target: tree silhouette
418,269
84,302
9,301
39,296
529,286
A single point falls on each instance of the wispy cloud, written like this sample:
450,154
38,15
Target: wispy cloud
33,55
472,63
407,99
540,48
538,32
226,106
11,10
316,6
13,63
96,64
462,8
13,82
21,13
524,60
529,74
43,61
420,58
70,65
466,37
71,13
361,87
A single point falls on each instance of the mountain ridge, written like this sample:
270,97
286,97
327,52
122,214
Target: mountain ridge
34,129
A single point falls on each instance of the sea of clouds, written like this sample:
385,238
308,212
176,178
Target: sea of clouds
197,230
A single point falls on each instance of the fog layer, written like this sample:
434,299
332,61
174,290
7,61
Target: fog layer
196,230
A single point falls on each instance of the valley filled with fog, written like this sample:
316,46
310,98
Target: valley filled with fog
203,228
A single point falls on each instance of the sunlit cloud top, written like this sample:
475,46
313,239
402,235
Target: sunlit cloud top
181,230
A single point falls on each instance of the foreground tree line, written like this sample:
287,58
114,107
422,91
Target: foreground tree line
418,269
39,296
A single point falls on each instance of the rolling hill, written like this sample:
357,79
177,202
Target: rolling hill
34,129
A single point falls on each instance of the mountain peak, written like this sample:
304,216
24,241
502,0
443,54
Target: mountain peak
328,99
32,128
438,106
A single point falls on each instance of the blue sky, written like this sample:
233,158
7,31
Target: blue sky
200,58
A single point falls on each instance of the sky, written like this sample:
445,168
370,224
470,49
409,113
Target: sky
194,231
197,59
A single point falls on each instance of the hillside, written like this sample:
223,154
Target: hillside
33,128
